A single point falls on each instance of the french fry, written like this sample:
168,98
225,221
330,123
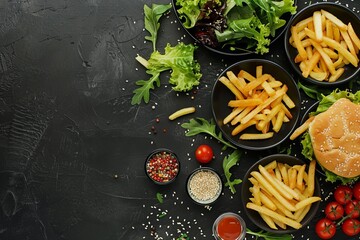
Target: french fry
181,112
300,130
332,43
348,42
337,74
232,115
340,24
303,213
273,191
324,56
231,87
260,107
306,202
318,25
256,136
269,221
258,100
245,102
239,128
292,172
336,42
288,221
279,120
287,100
311,179
297,43
284,173
353,36
300,178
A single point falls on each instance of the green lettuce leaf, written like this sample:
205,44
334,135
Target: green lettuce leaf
180,60
330,99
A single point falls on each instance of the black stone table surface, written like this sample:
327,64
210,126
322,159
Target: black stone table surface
72,147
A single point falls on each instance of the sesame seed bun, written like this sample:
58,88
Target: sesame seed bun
335,137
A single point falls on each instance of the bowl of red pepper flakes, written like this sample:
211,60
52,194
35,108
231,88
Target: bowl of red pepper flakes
162,166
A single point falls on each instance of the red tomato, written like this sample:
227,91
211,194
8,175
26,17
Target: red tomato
334,210
352,208
325,228
356,190
343,194
351,227
204,153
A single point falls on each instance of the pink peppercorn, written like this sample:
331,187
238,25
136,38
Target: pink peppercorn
162,166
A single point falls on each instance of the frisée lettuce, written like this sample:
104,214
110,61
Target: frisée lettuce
324,104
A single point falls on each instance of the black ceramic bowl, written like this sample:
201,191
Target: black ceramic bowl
341,12
246,194
162,166
227,50
221,95
204,186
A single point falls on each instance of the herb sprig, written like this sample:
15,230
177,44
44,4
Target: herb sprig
228,163
201,125
268,235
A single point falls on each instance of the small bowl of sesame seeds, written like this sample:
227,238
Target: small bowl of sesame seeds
204,186
162,166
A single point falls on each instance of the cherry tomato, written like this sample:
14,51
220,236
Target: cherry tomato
352,208
351,227
325,228
334,210
343,194
204,154
356,190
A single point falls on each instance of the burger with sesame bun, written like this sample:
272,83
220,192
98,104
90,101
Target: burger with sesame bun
333,136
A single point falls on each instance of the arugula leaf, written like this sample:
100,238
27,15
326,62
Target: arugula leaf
152,16
143,92
313,92
160,197
201,125
268,235
229,162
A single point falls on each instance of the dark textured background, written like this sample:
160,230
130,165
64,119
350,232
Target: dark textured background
67,72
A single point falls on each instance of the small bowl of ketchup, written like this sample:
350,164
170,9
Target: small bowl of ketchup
229,226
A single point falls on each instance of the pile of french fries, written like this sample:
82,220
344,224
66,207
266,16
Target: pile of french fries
283,194
261,101
325,44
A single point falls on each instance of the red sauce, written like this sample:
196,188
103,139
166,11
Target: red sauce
229,228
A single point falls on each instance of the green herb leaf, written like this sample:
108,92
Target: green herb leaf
143,92
183,236
201,125
152,16
313,92
160,197
228,163
268,235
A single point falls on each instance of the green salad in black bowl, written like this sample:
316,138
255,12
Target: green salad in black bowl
234,27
